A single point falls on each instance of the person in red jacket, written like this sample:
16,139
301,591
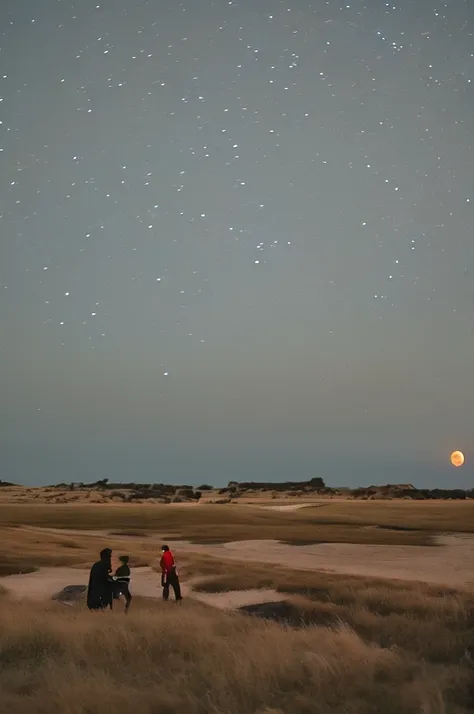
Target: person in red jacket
169,574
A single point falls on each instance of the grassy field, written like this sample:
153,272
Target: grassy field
393,523
434,516
422,515
369,522
24,550
389,651
432,622
336,644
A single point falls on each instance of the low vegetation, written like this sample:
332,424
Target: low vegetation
24,550
389,651
391,523
333,644
429,516
28,537
432,622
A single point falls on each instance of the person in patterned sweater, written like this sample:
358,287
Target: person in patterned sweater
122,581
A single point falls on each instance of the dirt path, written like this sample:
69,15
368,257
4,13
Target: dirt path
452,563
47,582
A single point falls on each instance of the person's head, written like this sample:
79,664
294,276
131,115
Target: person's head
164,548
124,559
106,554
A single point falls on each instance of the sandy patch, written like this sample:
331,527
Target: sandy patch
288,507
234,599
47,582
451,563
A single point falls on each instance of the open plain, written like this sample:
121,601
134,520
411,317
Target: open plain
317,606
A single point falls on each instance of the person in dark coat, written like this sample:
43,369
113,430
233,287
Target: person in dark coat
100,589
169,574
122,581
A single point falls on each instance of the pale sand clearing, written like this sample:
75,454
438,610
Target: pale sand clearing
450,563
47,582
288,507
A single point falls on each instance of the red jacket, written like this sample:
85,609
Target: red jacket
167,562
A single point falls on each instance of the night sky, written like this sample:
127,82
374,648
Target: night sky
236,241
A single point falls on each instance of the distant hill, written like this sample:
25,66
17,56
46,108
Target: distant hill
164,493
317,485
407,491
105,491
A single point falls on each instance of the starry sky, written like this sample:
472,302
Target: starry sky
236,241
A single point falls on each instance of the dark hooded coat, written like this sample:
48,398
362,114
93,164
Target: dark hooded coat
100,589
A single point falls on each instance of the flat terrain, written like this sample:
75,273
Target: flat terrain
206,524
360,607
393,522
407,540
46,583
451,562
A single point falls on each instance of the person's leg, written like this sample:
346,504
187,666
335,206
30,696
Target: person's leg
165,582
128,597
177,590
176,587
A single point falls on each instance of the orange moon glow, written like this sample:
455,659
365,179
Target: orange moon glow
457,458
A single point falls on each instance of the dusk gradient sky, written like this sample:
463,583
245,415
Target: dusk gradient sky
237,241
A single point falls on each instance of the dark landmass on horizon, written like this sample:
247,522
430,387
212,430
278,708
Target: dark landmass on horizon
169,493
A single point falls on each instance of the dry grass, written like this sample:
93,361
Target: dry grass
430,622
366,647
191,660
24,550
208,524
434,516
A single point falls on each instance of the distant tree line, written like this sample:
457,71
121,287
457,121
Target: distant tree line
168,493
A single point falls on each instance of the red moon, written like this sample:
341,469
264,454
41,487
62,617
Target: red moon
457,458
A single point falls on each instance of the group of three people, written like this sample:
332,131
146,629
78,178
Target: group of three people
105,587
